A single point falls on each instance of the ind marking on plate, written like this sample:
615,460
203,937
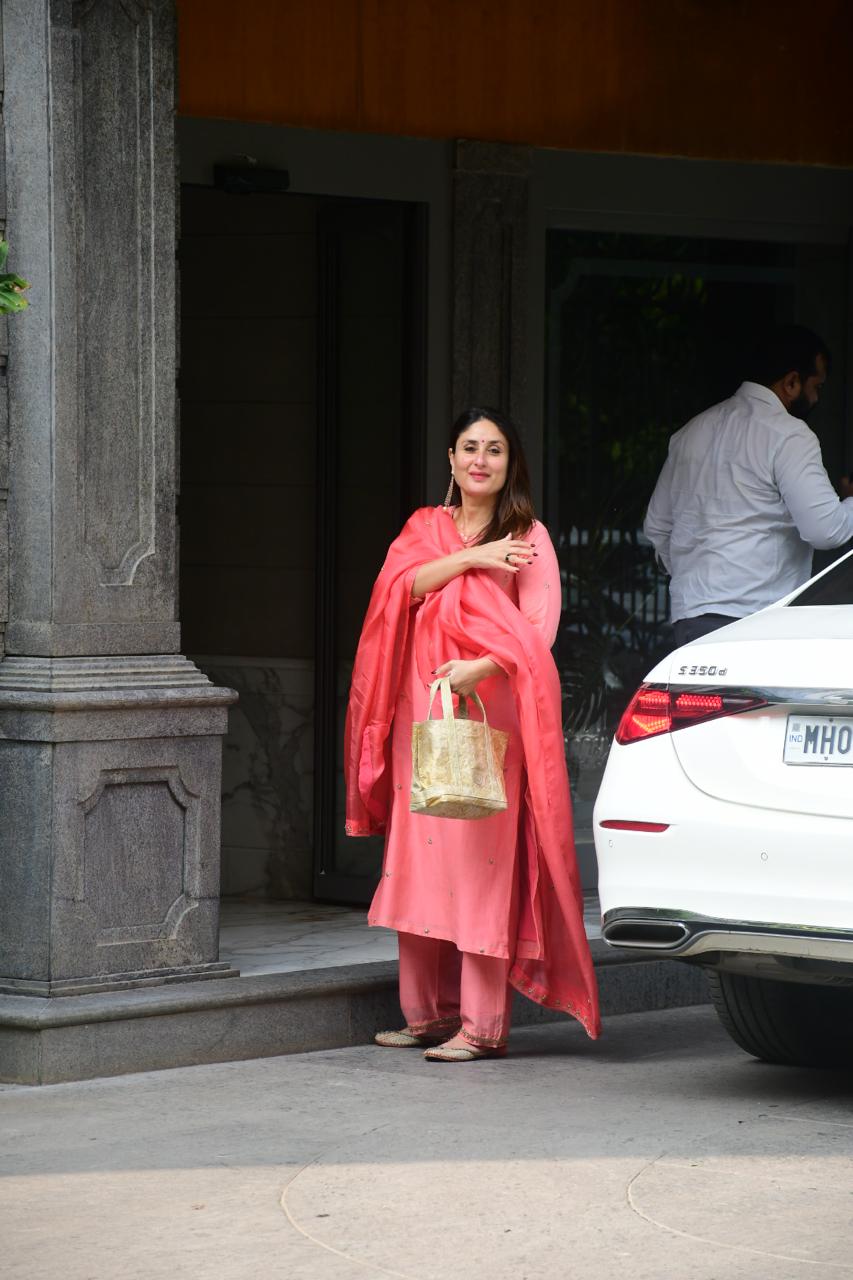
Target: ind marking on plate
819,740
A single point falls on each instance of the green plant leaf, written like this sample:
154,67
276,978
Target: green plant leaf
11,286
11,291
11,300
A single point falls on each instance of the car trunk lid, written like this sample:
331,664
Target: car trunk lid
801,661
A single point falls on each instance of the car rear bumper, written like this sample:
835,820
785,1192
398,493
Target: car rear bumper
789,873
788,953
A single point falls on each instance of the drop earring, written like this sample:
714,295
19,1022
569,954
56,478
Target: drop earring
449,494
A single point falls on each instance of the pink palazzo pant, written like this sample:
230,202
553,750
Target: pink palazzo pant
443,989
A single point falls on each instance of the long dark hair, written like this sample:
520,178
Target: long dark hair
514,512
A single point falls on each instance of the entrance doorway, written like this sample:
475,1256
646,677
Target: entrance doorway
370,476
302,427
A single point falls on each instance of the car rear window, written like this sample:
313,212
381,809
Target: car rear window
835,587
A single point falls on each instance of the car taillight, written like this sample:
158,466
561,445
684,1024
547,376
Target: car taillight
653,710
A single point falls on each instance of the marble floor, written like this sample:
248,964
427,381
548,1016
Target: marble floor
262,936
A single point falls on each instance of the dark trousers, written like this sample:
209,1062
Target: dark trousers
687,629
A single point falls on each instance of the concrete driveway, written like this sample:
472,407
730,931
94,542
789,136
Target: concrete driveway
660,1152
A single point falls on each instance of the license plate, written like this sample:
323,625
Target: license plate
819,740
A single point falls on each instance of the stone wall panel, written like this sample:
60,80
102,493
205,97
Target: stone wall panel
490,186
122,900
93,371
4,399
26,780
113,156
4,571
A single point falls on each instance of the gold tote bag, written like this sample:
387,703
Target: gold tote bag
457,763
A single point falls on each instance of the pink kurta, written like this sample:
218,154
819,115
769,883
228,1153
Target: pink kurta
452,879
506,886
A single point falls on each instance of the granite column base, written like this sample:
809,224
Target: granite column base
110,773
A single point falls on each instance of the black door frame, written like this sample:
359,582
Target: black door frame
329,883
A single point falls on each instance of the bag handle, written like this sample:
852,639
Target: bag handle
443,684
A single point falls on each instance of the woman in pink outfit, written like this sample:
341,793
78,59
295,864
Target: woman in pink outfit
471,590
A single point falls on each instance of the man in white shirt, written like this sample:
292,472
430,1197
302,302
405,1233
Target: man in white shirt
743,496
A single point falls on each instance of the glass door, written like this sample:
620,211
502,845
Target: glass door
643,333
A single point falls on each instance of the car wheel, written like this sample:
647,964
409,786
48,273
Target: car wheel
786,1022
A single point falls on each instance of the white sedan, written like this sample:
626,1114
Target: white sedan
724,822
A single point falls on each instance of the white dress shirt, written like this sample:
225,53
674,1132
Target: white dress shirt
742,499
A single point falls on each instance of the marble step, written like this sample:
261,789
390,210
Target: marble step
47,1041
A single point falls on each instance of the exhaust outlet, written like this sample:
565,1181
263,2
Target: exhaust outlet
651,935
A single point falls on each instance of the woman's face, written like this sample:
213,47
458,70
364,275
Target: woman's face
481,459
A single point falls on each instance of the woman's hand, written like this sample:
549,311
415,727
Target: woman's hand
465,674
507,553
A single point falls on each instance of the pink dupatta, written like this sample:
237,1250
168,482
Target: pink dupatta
471,617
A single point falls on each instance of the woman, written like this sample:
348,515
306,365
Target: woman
471,590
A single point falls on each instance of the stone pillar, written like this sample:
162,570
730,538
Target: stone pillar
490,215
109,739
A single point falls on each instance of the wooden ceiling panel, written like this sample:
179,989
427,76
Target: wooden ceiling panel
764,80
